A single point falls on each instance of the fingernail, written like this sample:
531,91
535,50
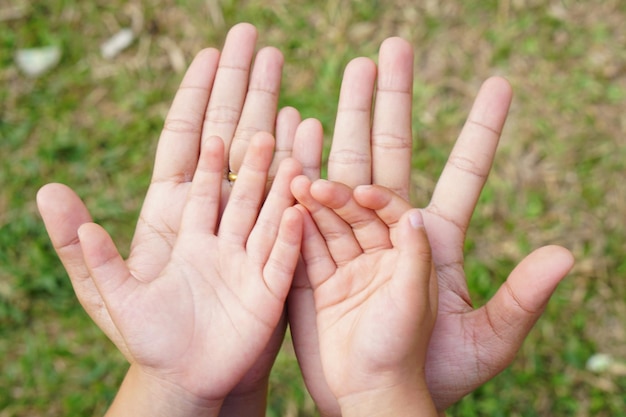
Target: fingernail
416,220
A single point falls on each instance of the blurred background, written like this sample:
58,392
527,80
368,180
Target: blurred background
92,122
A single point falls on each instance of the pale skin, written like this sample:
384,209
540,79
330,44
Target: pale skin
375,296
222,94
469,346
206,298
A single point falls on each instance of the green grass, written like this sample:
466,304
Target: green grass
558,177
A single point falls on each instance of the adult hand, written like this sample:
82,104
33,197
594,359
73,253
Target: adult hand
469,346
220,95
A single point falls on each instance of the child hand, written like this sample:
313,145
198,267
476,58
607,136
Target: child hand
202,320
369,264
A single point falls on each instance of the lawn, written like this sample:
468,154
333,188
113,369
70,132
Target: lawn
93,123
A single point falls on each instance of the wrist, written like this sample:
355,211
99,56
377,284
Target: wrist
251,403
398,400
142,394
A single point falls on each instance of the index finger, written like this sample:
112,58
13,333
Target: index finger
179,145
469,163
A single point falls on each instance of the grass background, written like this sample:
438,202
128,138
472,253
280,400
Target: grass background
558,177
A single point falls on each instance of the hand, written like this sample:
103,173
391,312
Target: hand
370,268
203,320
219,95
469,346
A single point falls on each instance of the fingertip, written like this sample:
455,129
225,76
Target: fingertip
538,275
92,240
500,85
288,113
300,188
360,64
293,216
46,192
262,140
244,27
308,144
396,43
500,81
332,194
372,196
311,123
86,230
559,257
289,168
272,53
60,206
415,219
207,53
299,182
363,192
320,185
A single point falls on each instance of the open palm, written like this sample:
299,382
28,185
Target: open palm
205,318
469,346
221,94
370,273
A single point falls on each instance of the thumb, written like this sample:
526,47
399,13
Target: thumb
415,253
509,316
106,266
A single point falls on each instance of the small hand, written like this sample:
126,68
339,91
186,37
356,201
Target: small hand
203,320
374,290
365,149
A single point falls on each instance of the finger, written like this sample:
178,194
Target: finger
176,161
203,202
179,144
269,220
63,213
315,255
391,130
287,123
342,245
466,171
259,110
281,265
388,205
350,159
248,192
505,321
371,233
307,147
109,271
415,264
230,86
